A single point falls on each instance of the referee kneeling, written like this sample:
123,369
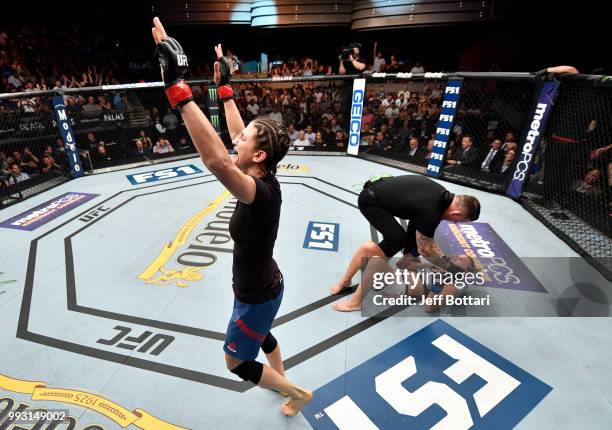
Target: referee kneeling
424,204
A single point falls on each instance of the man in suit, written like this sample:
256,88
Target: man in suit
415,154
467,155
494,158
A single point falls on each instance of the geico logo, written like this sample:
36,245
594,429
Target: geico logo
529,146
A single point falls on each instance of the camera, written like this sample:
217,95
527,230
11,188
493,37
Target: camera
346,51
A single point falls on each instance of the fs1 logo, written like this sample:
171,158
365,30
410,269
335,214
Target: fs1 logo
158,175
438,378
444,127
322,236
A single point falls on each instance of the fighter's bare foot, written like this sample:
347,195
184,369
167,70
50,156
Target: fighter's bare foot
295,405
346,306
340,286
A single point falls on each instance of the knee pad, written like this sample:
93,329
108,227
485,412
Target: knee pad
269,344
249,371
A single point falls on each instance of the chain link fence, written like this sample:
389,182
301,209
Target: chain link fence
32,156
484,138
570,188
117,126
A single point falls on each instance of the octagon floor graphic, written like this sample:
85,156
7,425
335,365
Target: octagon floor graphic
114,312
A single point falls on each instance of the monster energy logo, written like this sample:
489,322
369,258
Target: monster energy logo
214,119
212,93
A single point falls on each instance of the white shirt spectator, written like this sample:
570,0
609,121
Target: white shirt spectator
401,103
276,116
253,108
417,69
293,135
14,81
23,176
405,92
163,147
392,112
379,65
27,105
311,137
302,142
386,103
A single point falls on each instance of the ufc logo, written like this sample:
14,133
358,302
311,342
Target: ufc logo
181,60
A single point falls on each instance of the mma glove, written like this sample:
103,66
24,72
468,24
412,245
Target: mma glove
174,66
225,91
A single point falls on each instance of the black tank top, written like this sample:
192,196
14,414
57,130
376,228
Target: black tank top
253,229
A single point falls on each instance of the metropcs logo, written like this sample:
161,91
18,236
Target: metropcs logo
438,378
202,253
528,148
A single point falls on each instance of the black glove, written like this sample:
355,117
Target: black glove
225,70
174,65
225,90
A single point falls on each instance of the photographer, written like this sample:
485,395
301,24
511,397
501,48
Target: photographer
352,64
350,61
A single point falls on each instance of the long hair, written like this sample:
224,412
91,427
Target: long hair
272,138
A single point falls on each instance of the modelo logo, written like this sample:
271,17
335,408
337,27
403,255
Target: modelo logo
70,120
527,153
199,253
158,175
438,378
292,168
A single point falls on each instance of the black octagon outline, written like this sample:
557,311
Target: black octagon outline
187,374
